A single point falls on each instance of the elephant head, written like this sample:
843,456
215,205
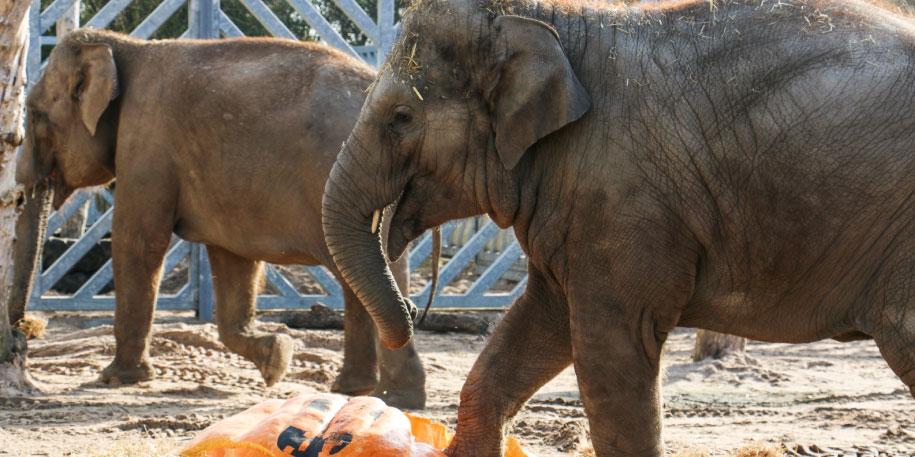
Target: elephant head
69,144
443,134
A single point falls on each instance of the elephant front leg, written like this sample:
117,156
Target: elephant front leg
529,347
618,331
236,285
625,294
403,378
139,238
616,361
402,381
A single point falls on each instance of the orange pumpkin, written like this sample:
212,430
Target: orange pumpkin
324,425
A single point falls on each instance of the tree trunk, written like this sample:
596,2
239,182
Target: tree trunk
14,34
716,345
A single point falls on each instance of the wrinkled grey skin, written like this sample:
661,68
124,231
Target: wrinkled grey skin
30,232
747,168
223,142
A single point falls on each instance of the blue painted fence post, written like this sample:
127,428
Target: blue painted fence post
33,65
201,276
203,23
203,19
386,31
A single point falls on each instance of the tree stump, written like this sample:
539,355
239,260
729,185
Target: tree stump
716,345
14,39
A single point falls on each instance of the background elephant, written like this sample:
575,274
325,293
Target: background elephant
227,143
746,168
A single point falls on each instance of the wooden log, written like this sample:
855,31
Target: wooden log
716,345
14,44
320,317
457,323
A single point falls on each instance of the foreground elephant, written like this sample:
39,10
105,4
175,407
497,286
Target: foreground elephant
743,167
227,143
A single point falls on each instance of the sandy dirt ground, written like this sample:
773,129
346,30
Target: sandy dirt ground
826,398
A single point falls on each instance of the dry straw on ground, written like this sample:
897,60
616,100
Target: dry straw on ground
32,327
759,451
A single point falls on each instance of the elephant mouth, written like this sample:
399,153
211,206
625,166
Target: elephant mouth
61,190
406,225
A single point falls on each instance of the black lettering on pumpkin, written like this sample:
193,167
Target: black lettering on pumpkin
292,437
314,448
295,438
343,440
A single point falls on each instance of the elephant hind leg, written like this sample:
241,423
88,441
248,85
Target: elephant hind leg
402,376
359,374
896,341
899,352
236,281
891,319
395,376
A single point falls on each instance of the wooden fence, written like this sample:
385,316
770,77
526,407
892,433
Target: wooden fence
477,253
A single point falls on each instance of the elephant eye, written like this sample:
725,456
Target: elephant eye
401,117
37,117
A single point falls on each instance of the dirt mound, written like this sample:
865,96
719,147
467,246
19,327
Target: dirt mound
168,426
563,435
735,369
204,337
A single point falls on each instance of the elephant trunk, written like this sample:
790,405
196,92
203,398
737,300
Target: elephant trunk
30,235
35,163
354,195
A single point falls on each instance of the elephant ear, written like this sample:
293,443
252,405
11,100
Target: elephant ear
97,82
535,91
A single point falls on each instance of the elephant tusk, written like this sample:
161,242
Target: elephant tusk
376,218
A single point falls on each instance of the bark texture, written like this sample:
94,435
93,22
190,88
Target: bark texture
14,34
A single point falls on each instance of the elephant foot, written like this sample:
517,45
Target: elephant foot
278,356
909,380
116,375
350,382
403,379
411,398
